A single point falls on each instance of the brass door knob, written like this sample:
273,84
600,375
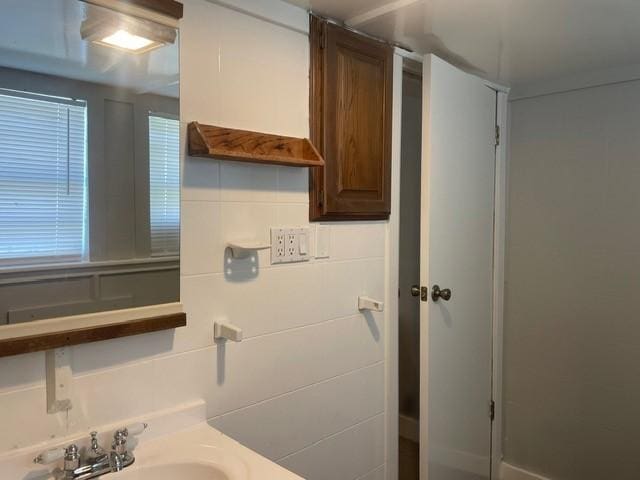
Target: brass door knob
437,293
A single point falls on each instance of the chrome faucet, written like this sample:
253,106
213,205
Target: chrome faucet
96,461
96,453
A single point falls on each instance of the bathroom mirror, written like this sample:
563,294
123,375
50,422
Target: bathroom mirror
89,161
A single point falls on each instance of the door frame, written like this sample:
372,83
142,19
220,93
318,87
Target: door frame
392,255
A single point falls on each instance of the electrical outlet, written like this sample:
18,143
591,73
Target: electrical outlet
277,245
289,245
292,242
280,243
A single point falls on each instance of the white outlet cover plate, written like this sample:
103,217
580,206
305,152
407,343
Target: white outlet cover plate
285,245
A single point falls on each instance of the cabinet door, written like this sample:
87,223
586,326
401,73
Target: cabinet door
351,88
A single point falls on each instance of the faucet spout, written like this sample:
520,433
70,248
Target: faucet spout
96,461
116,462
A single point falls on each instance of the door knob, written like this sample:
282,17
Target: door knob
444,294
415,291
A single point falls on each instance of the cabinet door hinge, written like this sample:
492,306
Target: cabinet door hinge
497,135
492,410
321,198
323,37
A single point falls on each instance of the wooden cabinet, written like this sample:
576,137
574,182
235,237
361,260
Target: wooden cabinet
350,119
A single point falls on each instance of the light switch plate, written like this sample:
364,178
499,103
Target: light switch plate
323,241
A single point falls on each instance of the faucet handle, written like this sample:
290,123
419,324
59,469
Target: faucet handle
120,437
70,455
50,456
71,458
135,428
119,444
95,450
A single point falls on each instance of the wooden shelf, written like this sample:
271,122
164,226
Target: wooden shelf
49,341
245,146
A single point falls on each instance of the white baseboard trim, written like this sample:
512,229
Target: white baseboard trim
409,428
459,460
509,472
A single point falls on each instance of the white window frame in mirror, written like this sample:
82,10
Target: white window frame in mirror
72,322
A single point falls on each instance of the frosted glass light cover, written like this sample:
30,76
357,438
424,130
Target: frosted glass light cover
127,41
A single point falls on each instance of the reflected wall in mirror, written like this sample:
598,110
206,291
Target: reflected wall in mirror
89,160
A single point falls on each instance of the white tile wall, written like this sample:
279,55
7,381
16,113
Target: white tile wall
202,247
306,385
286,427
24,418
346,455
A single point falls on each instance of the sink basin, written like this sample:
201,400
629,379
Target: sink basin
179,444
200,453
173,471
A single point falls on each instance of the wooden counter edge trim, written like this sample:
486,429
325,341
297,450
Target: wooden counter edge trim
171,8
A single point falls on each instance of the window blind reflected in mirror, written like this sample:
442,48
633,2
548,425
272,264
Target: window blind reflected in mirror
42,179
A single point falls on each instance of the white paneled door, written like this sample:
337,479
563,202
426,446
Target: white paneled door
456,255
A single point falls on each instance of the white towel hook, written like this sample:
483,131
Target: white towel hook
227,331
368,303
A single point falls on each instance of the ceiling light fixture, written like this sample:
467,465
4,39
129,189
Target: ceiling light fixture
125,33
126,41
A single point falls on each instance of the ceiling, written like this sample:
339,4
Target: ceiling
44,37
512,42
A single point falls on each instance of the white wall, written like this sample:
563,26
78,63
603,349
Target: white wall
306,387
571,358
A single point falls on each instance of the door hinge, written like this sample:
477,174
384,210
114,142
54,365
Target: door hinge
321,198
497,135
492,410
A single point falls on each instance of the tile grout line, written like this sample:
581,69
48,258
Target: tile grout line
357,424
262,335
321,261
298,389
315,324
275,203
178,354
370,471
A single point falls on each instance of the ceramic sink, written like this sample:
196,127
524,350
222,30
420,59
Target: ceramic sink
178,444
